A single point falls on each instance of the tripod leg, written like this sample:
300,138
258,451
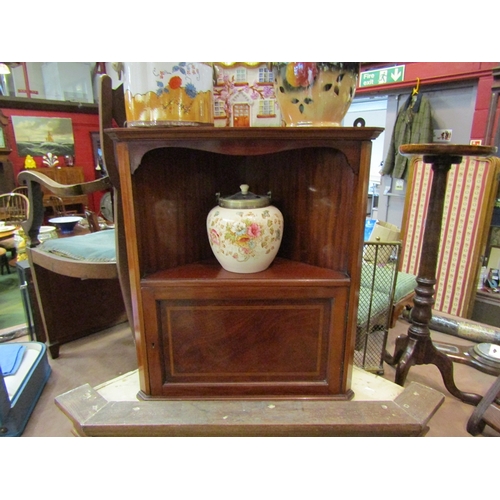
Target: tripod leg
445,366
406,361
399,348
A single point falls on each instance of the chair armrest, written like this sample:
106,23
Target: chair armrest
27,176
73,268
35,181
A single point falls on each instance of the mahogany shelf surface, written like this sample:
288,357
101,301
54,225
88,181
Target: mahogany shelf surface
281,271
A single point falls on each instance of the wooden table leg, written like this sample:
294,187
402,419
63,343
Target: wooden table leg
417,348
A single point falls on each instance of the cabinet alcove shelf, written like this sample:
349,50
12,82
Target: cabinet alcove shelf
202,332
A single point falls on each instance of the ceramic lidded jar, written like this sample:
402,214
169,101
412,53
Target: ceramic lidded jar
245,231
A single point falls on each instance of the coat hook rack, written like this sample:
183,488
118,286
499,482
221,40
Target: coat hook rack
416,88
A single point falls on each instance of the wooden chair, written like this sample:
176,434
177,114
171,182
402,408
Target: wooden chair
14,209
21,189
58,209
79,297
75,297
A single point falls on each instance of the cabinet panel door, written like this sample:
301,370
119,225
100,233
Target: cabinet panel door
246,345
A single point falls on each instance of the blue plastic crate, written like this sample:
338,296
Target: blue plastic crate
19,393
369,225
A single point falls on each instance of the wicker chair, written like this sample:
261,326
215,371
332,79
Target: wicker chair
14,210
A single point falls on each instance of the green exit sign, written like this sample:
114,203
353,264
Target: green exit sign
384,76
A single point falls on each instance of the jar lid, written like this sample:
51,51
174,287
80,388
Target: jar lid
245,199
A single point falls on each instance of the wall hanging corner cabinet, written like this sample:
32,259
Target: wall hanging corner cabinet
203,332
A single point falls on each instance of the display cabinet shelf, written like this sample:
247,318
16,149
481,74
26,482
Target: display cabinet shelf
203,332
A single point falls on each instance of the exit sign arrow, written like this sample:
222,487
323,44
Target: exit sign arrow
396,75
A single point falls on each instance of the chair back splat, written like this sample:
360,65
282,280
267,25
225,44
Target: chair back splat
14,208
21,189
112,112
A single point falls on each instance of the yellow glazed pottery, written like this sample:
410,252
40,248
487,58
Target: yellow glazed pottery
168,93
314,94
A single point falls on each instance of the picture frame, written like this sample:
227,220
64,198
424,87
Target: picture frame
37,136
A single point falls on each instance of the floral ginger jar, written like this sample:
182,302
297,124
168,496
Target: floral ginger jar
245,231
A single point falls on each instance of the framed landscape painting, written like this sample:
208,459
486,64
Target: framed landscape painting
37,136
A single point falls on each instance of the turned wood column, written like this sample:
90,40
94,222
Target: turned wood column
417,348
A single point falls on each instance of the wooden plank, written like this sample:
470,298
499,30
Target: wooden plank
405,416
420,402
80,404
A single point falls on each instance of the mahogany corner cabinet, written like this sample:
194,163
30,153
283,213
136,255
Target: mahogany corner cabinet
205,333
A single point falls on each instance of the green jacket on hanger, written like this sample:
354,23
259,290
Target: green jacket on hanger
413,126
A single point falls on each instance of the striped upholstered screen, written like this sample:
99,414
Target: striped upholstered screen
471,187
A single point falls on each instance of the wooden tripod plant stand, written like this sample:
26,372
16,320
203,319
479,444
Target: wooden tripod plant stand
417,348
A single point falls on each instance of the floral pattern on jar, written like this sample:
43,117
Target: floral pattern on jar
245,241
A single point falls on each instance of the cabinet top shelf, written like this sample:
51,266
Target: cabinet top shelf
249,141
243,133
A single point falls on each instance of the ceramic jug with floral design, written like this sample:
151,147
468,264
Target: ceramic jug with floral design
168,93
245,231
